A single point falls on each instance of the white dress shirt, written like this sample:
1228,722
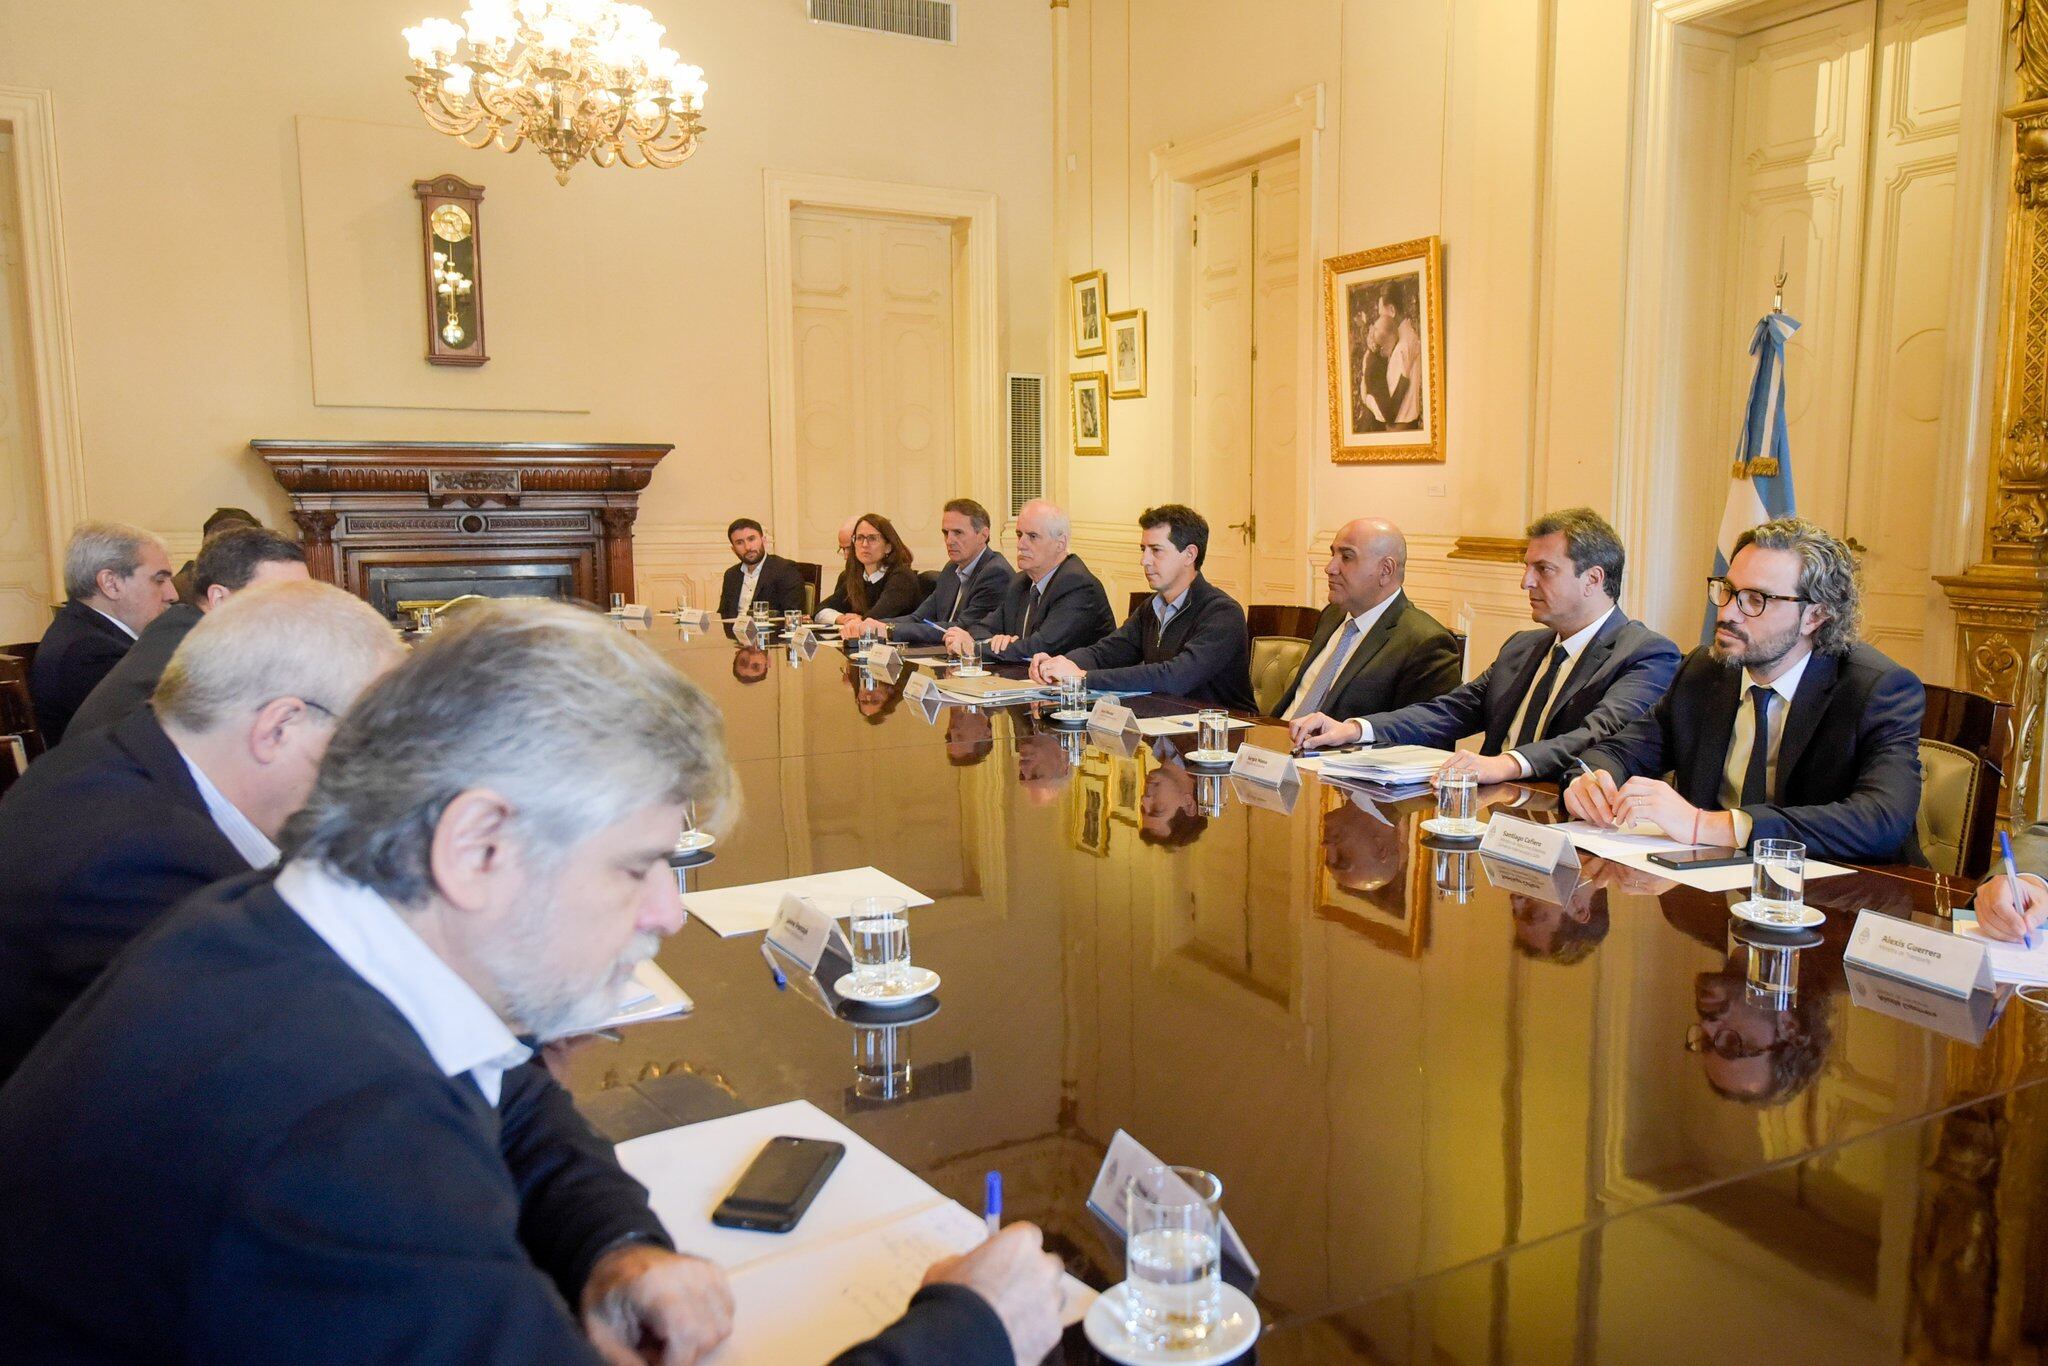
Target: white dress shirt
461,1032
1364,622
1574,646
1743,739
119,623
828,615
750,579
251,843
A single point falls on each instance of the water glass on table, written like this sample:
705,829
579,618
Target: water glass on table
1074,693
879,930
1212,732
1173,1257
1457,802
618,603
1777,883
870,636
967,652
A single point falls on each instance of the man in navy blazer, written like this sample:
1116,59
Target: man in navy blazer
117,580
1550,693
304,1105
1187,640
1786,727
970,586
101,837
1053,604
759,576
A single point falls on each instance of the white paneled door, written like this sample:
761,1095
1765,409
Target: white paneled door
875,376
25,588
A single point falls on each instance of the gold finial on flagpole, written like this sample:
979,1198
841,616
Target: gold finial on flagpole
1778,284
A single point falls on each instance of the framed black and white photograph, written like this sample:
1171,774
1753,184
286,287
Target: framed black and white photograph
1127,354
1091,413
1091,312
1385,352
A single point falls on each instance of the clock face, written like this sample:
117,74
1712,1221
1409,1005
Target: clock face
450,223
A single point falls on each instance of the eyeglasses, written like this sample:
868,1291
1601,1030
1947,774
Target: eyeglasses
859,539
307,702
1749,601
1729,1046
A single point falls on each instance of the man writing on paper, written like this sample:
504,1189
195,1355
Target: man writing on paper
759,576
102,837
1550,693
2012,910
1786,727
1373,650
302,1106
1189,640
1052,605
970,586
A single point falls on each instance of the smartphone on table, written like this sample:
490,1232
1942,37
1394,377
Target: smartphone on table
1693,860
780,1185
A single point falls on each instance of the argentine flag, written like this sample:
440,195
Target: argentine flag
1762,487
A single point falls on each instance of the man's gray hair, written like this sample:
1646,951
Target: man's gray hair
1588,540
1828,577
102,545
300,639
571,720
1057,524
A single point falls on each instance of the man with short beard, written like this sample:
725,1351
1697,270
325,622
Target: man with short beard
300,1120
1786,727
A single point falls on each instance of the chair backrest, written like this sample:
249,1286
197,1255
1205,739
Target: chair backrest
811,574
1138,599
1281,636
927,579
1965,742
25,652
17,710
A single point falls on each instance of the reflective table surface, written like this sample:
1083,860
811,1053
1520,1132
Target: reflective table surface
1460,1113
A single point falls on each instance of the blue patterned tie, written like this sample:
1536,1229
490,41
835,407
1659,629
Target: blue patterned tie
1312,700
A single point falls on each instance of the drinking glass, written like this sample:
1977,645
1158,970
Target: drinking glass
1173,1257
870,636
1074,694
881,1062
618,602
1777,883
1457,802
968,653
790,621
692,839
1209,790
880,933
1451,874
1212,732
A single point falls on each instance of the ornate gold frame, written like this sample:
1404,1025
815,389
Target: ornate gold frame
1428,252
1099,378
1136,317
1101,283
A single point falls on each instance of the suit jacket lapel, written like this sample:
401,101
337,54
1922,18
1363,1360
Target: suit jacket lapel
1710,751
1804,718
1599,653
1519,681
1375,640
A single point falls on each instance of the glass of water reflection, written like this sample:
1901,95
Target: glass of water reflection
879,929
1777,883
1173,1257
1074,693
1457,802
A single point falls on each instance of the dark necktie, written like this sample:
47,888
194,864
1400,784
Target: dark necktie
1756,783
1030,609
1538,700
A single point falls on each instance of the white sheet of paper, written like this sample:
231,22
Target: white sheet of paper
1184,724
751,909
2010,962
653,995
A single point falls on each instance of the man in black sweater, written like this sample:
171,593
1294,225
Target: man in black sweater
305,1107
117,580
1189,640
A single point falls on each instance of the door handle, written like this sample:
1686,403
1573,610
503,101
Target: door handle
1250,527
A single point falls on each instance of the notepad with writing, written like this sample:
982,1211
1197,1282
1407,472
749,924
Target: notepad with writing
751,909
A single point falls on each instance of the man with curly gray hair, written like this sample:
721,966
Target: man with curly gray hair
1786,727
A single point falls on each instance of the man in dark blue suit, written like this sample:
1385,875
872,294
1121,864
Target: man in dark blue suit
970,586
1550,693
103,836
1054,603
305,1104
1786,727
1188,640
117,580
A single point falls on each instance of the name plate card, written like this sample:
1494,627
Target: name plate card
802,931
1268,766
694,618
1125,1159
882,658
1111,717
1533,846
807,643
920,686
1952,964
745,632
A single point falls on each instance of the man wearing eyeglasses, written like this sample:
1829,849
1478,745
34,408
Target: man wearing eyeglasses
1786,727
102,836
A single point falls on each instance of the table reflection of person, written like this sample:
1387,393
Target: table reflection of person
874,698
970,736
1362,849
1042,767
750,664
1564,933
1169,814
1755,1047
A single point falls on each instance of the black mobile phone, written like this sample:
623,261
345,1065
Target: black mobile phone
780,1185
1696,859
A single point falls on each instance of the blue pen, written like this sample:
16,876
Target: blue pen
781,982
2005,848
992,1202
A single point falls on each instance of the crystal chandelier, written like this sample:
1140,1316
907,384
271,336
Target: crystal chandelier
577,78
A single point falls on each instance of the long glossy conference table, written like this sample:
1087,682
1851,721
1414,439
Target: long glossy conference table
1455,1121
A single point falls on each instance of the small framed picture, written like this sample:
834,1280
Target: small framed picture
1091,413
1091,309
1384,314
1127,354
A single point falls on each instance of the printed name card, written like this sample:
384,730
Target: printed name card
693,618
807,643
882,658
920,686
1952,964
1527,843
1127,1158
1268,766
1108,716
802,931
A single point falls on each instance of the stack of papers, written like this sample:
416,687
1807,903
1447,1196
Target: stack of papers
751,909
846,1270
652,995
990,690
1634,850
1184,724
2010,962
1388,766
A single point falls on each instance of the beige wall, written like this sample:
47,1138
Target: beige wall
189,220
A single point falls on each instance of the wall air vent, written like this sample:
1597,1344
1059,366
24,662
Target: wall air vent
1027,440
930,19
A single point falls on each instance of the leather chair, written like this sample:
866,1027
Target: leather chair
1965,741
20,741
812,575
1280,640
927,579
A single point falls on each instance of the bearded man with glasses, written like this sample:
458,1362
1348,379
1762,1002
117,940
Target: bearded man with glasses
1786,727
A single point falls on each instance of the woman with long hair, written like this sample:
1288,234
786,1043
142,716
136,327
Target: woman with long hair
877,580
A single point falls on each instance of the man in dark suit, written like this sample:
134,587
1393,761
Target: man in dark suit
117,580
101,837
1054,603
307,1100
970,586
759,576
1551,692
1374,650
231,560
1785,728
1188,640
